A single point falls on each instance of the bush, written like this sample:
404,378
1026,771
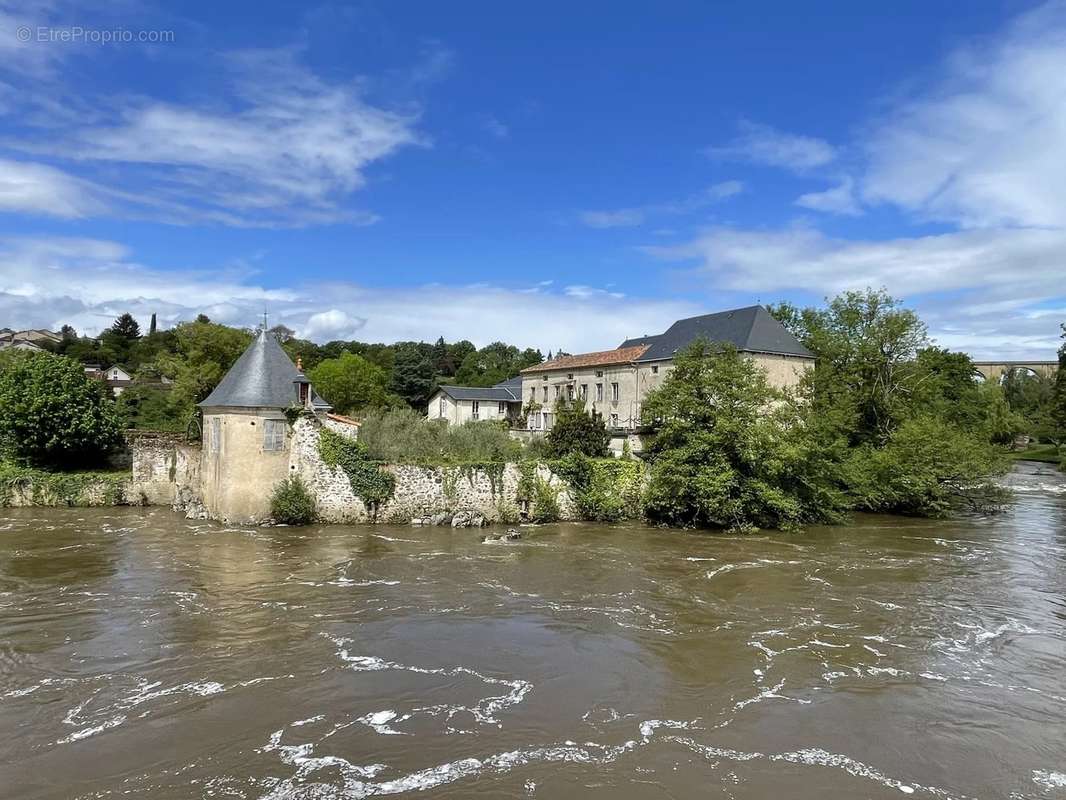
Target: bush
403,436
576,431
51,414
927,468
291,503
605,490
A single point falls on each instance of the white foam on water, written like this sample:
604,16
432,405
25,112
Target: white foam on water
379,721
769,694
484,711
1048,779
700,558
85,733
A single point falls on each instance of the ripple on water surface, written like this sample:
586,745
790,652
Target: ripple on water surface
144,655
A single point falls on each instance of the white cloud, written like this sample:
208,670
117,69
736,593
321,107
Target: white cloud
985,267
41,189
840,199
762,144
984,144
277,145
87,283
638,215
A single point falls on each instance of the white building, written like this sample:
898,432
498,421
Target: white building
459,404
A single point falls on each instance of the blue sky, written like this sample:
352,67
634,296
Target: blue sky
553,176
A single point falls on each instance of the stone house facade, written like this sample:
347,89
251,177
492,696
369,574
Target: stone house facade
614,383
459,404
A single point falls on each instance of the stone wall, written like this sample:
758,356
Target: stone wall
166,471
440,495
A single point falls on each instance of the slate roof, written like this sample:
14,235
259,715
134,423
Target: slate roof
623,355
263,377
509,391
750,329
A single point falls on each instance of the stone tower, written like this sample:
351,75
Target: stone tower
246,435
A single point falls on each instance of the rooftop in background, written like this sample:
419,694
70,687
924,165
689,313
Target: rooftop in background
263,377
603,358
752,329
509,391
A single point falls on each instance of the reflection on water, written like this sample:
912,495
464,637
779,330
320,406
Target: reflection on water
144,655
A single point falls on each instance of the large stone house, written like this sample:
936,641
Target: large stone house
614,383
459,404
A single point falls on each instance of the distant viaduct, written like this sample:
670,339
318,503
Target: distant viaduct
995,370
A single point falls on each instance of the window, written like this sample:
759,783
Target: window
533,394
442,410
599,373
614,420
545,393
557,392
502,410
475,409
614,392
569,376
584,391
599,392
570,391
214,442
655,370
274,434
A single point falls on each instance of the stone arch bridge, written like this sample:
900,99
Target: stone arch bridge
995,370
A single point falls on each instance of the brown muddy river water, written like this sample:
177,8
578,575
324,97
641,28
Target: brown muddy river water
145,655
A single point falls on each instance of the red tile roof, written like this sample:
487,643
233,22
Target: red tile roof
623,355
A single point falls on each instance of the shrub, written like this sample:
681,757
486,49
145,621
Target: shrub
927,468
576,431
545,506
369,482
291,503
52,414
605,490
403,436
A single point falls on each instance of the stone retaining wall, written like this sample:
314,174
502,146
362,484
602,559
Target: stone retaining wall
441,495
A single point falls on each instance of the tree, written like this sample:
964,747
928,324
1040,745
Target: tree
1057,404
865,343
203,353
494,363
731,452
350,383
412,375
126,327
577,431
51,414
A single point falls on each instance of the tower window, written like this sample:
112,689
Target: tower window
274,434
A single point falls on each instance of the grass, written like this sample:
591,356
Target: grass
49,488
1047,453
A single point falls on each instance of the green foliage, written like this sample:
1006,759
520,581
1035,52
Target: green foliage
62,488
494,363
576,431
606,489
51,414
204,353
369,482
724,456
403,436
291,503
541,497
350,383
126,327
412,375
928,467
147,406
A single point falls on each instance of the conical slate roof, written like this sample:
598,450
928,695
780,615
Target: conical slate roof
263,377
751,329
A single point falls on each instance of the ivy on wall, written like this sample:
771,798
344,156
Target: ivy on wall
369,482
62,488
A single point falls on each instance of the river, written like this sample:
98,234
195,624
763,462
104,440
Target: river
146,655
